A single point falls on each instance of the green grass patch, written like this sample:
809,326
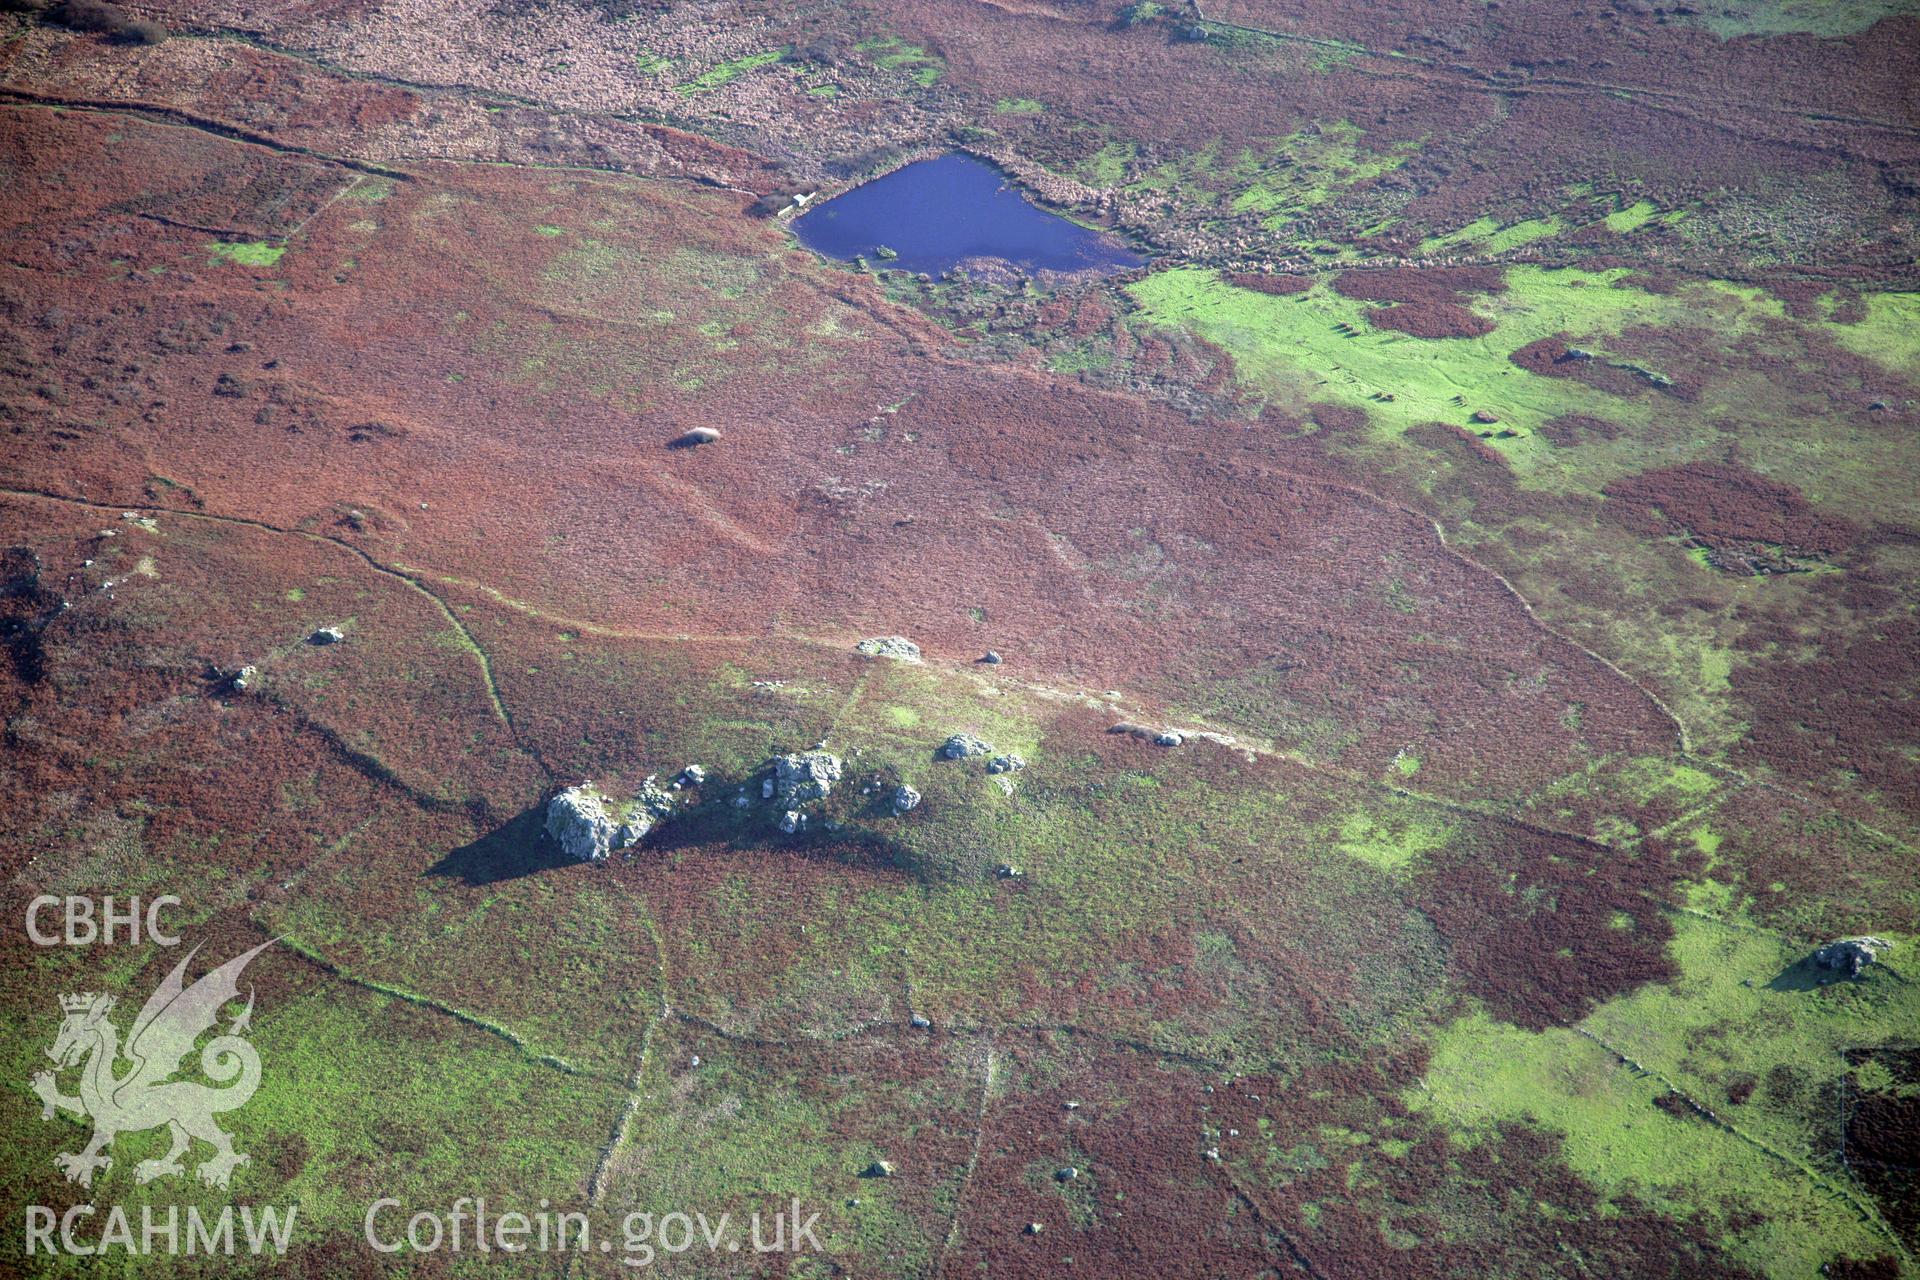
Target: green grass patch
727,72
246,253
890,53
1632,217
1489,235
1390,843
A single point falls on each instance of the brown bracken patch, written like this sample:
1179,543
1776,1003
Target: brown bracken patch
1723,505
1431,320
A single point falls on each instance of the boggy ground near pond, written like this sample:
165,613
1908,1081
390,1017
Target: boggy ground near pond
1541,711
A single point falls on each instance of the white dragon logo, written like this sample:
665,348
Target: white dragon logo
173,1018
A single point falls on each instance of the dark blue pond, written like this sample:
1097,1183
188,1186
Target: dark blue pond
938,213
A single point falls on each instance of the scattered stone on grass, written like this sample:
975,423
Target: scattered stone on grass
899,648
1009,763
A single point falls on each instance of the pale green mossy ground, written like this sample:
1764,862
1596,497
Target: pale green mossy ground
1293,349
1293,352
1699,1034
1284,179
1730,19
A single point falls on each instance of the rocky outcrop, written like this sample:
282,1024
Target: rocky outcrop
963,745
798,782
905,798
804,777
1851,955
589,826
1159,737
898,648
327,635
1009,763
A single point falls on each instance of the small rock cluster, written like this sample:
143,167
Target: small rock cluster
966,746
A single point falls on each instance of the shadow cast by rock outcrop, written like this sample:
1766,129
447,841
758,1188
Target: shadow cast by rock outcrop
1807,974
511,851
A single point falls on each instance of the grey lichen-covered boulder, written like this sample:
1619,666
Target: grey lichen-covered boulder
589,826
898,648
804,777
1851,955
1008,763
327,635
963,745
905,798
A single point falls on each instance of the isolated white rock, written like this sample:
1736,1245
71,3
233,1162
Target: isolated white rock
897,647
